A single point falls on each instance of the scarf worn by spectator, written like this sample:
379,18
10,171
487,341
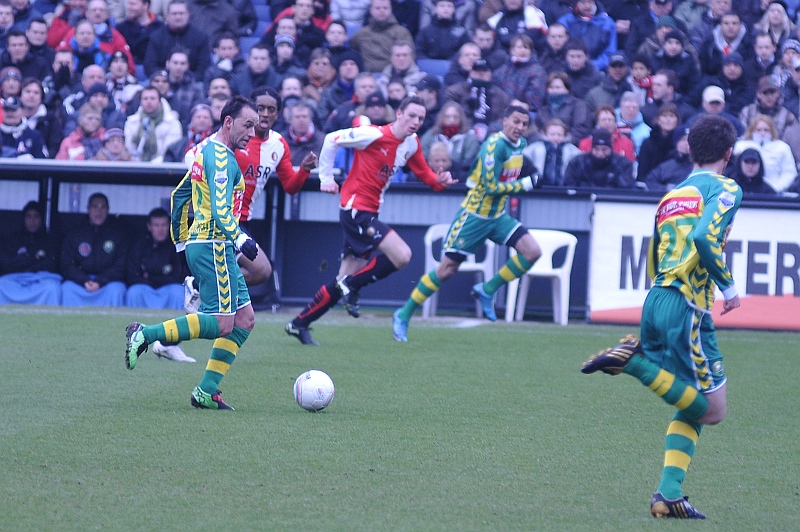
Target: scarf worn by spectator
195,138
145,139
301,139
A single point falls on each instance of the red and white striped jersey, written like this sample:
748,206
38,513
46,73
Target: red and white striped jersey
378,155
259,160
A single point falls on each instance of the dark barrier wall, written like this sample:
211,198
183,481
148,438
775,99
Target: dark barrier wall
302,235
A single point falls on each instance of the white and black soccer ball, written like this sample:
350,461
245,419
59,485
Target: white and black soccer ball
313,390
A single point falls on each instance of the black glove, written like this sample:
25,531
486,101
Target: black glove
247,246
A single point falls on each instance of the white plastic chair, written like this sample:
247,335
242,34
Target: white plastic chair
549,242
483,270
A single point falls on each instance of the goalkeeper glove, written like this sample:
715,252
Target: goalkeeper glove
247,246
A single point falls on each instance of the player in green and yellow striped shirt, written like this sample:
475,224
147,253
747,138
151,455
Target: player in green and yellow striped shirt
678,357
213,187
495,175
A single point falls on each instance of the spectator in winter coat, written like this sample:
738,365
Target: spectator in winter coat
605,118
452,129
259,72
739,90
442,37
673,57
113,149
780,169
185,91
613,86
630,120
483,101
522,78
657,147
214,18
343,87
86,140
552,55
764,60
462,64
99,97
123,86
18,54
351,13
319,75
302,136
714,103
153,128
676,168
768,102
306,33
729,36
562,104
402,65
665,90
748,171
337,44
552,154
65,17
491,50
137,28
178,31
199,129
464,15
85,47
109,39
646,24
342,116
374,41
227,60
516,17
590,24
18,140
583,75
39,117
601,167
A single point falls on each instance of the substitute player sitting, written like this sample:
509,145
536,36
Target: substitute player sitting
496,174
379,152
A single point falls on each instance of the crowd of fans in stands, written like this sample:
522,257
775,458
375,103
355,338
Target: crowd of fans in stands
612,87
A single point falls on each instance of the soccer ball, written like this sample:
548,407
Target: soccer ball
313,390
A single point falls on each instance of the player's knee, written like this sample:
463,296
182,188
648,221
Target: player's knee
225,328
401,258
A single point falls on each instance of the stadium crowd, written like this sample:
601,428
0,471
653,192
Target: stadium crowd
611,87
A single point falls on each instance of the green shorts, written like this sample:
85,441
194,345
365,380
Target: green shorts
681,339
220,281
468,232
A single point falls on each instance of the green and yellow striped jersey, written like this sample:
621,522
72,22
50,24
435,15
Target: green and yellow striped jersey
494,176
214,188
691,228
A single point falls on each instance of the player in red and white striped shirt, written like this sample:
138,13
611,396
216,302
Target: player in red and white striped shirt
379,152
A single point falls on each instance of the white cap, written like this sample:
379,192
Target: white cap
712,94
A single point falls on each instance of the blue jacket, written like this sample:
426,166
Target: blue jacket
598,33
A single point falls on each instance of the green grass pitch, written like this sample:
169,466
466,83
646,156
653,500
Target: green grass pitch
470,426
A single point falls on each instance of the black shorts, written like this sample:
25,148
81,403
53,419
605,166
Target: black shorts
363,232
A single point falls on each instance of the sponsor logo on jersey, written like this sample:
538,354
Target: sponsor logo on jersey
677,206
221,177
488,161
384,151
274,156
197,171
84,249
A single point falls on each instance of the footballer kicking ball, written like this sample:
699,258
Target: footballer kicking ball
313,390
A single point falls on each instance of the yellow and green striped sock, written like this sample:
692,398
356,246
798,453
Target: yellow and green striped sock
427,286
513,269
683,396
183,328
679,446
223,353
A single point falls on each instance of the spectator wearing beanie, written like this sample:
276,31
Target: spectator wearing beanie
601,167
113,149
769,102
672,56
739,90
348,66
